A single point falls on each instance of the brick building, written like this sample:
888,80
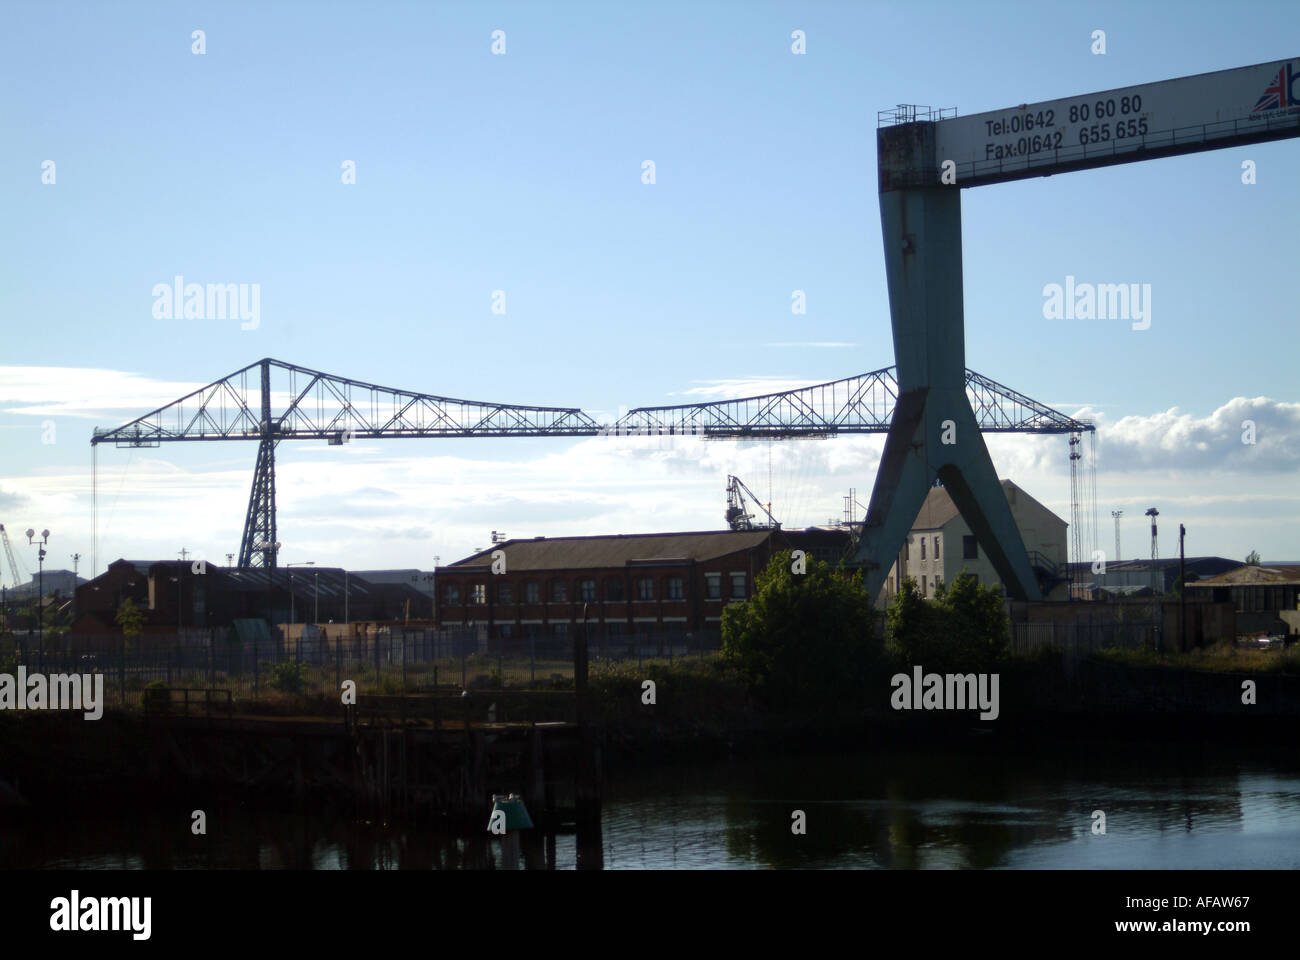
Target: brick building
173,597
631,585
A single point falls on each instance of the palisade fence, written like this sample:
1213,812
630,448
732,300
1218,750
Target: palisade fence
1080,639
389,661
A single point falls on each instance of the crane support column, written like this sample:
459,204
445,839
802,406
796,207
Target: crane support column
934,433
259,524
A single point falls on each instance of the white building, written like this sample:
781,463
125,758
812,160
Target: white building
941,546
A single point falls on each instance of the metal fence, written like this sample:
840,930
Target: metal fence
389,661
1082,639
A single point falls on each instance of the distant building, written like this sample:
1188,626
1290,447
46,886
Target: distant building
174,597
421,580
61,582
941,545
626,585
1133,578
1263,596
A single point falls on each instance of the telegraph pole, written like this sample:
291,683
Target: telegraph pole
1182,593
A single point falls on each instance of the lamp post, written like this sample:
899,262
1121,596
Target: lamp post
40,588
292,595
315,613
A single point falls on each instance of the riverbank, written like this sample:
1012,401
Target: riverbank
700,710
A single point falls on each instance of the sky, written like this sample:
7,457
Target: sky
522,172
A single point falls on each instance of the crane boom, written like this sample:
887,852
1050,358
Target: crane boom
19,580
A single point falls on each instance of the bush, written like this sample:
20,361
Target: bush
286,676
804,639
963,630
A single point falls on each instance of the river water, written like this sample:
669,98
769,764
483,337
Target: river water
1165,807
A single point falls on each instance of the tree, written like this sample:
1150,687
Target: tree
130,620
1252,558
803,639
963,630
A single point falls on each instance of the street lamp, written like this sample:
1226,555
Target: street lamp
292,595
40,587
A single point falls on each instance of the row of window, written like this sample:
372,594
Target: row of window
925,588
611,630
969,548
674,589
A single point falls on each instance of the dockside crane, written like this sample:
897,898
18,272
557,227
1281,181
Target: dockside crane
738,518
19,579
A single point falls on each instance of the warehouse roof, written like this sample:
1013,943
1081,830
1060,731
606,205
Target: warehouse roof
568,553
1251,575
938,507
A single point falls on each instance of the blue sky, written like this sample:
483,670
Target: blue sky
522,173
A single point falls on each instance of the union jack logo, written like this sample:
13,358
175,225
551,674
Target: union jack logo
1274,97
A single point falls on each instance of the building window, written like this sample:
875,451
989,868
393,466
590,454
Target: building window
923,549
559,630
506,631
925,592
675,588
559,591
531,592
907,549
713,586
937,554
645,589
614,629
614,590
587,590
505,592
738,586
451,593
478,594
969,549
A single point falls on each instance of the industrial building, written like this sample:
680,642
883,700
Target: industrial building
175,596
666,585
1266,597
941,545
1137,578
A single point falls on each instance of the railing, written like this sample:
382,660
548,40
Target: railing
911,113
386,663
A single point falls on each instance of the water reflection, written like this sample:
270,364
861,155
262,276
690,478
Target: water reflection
877,811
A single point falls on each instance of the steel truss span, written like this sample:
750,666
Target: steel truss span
309,405
270,400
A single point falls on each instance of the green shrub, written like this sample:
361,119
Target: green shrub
286,676
804,639
963,630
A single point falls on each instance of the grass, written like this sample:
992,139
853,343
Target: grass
1223,657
